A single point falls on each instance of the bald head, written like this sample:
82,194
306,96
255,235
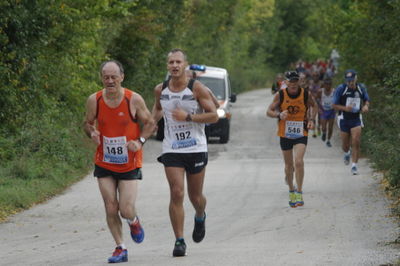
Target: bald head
111,63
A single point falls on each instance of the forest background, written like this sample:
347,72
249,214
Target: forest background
50,52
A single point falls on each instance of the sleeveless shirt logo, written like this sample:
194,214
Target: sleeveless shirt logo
164,97
187,98
293,109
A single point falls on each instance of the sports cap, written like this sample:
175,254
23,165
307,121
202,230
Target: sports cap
292,76
350,75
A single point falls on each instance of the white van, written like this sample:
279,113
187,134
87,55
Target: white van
217,79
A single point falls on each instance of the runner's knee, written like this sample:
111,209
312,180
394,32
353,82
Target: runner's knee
299,163
196,199
289,167
112,208
126,211
177,194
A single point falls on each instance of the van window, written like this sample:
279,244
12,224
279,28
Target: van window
216,85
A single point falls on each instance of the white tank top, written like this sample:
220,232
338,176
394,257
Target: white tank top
327,100
182,136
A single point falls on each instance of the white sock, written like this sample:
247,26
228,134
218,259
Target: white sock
354,164
347,153
131,221
122,246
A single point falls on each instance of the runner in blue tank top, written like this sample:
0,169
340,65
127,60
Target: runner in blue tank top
351,99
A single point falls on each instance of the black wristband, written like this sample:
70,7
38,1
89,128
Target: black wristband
188,117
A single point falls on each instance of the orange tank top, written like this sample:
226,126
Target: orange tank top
117,127
295,125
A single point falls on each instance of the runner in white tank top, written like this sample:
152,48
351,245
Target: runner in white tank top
185,111
182,136
327,113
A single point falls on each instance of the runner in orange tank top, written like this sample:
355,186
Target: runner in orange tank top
295,109
111,121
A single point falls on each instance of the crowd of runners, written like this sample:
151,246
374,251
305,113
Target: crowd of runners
118,121
305,101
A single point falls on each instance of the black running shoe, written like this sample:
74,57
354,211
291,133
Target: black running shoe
179,249
199,230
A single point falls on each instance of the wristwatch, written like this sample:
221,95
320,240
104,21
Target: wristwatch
142,140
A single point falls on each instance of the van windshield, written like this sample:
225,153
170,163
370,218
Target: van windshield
217,86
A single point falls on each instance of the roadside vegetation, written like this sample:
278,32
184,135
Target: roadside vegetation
50,52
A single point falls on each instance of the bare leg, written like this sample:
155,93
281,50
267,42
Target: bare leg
299,151
108,189
289,169
323,125
176,181
345,141
330,130
127,198
355,143
195,191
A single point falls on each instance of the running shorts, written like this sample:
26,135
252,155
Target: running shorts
135,174
287,144
346,125
193,163
328,114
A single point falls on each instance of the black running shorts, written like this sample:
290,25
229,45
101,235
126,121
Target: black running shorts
135,174
192,162
287,144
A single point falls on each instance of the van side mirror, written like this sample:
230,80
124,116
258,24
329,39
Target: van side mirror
233,97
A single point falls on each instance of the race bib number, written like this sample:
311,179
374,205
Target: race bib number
327,105
355,103
183,139
294,129
114,150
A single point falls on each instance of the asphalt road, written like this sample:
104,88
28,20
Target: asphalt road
345,220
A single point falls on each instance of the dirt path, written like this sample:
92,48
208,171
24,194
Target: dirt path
345,220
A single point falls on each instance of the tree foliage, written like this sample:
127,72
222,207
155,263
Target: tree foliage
369,41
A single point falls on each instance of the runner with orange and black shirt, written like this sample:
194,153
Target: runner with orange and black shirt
295,109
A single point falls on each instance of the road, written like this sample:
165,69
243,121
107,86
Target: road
345,220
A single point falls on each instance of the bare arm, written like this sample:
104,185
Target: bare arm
313,109
214,99
157,111
273,109
203,96
89,125
144,116
365,107
339,107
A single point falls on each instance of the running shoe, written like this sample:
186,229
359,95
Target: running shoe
137,232
119,255
199,230
328,144
354,170
314,135
299,199
323,136
346,159
292,199
180,248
